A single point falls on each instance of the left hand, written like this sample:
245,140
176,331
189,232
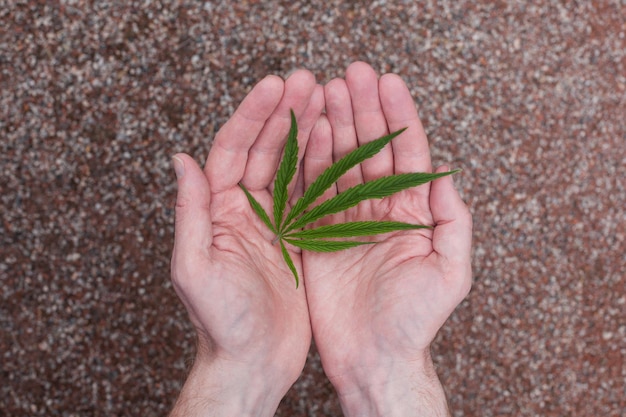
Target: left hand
252,323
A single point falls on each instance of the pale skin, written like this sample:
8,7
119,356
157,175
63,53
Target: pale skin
373,310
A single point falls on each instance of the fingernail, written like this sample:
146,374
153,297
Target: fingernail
179,167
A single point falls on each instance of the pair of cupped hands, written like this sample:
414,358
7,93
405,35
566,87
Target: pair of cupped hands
373,310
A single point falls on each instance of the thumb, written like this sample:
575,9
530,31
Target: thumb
193,228
452,237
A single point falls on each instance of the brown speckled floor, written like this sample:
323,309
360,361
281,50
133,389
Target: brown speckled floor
528,98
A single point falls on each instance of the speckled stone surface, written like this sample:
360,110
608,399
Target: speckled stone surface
528,98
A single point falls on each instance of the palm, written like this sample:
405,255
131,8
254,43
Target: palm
254,285
361,298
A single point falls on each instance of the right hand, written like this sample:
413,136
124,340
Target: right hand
375,309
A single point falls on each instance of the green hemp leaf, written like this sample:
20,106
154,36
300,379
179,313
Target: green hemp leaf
290,227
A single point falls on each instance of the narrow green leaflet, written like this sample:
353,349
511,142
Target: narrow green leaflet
289,262
336,170
286,171
352,229
379,188
316,245
258,209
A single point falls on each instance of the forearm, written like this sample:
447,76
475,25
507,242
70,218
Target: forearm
220,389
400,390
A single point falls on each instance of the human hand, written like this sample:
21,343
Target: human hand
375,309
252,323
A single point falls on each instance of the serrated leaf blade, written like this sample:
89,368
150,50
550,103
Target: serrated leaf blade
379,188
285,173
336,170
353,229
318,245
258,209
289,262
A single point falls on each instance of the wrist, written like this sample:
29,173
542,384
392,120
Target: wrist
225,388
395,389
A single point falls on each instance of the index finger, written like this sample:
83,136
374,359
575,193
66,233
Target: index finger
227,159
410,149
369,119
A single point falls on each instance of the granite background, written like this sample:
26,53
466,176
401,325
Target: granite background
528,98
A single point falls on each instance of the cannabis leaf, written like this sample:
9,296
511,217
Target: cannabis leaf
289,228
